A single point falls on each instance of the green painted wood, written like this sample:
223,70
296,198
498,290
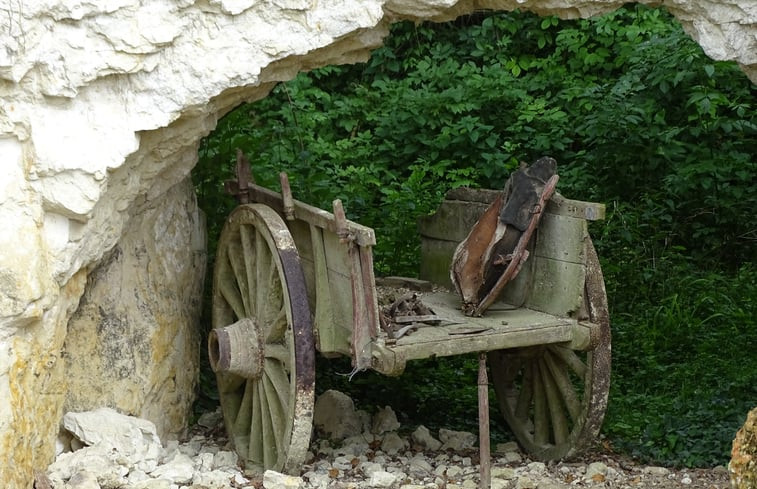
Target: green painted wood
335,289
552,278
561,238
452,221
557,287
503,327
364,235
269,415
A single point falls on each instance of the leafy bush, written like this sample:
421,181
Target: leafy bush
637,117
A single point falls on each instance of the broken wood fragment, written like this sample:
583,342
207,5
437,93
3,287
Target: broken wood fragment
495,248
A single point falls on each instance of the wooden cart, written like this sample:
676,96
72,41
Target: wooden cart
290,279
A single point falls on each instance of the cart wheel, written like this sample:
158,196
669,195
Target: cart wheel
553,397
261,345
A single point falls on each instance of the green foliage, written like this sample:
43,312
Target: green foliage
686,373
636,115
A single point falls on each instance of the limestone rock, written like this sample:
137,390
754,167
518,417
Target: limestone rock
456,440
422,436
385,420
276,480
393,443
743,464
130,437
84,480
335,416
133,343
179,469
101,111
382,478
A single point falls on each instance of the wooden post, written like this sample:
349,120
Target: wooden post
483,424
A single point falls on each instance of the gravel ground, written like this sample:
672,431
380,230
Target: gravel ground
204,459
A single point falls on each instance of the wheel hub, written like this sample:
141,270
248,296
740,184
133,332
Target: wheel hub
237,349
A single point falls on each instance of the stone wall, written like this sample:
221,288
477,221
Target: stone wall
132,344
102,106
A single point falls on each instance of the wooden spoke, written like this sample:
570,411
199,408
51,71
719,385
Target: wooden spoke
554,398
564,385
541,425
555,404
570,359
269,415
236,259
228,288
526,394
247,237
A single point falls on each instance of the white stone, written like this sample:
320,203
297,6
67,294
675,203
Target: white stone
152,484
317,480
658,471
97,459
454,472
513,457
524,482
469,484
393,443
225,459
537,467
178,470
133,438
355,445
204,461
368,468
503,472
382,479
595,469
422,436
84,479
420,466
334,415
276,480
215,479
384,420
456,440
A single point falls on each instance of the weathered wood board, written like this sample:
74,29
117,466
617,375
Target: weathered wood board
552,278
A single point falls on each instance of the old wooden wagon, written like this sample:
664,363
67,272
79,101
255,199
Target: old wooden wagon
291,279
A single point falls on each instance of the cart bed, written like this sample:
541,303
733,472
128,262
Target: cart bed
504,326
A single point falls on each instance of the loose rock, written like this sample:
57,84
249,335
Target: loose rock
362,461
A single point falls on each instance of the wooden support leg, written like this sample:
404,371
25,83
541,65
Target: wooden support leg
483,424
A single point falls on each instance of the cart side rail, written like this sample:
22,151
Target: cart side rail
551,280
337,259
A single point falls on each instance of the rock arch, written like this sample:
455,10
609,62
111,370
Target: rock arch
103,107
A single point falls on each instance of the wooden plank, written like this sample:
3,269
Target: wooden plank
419,344
557,287
503,326
561,238
591,211
364,306
364,235
452,221
332,331
462,207
436,257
